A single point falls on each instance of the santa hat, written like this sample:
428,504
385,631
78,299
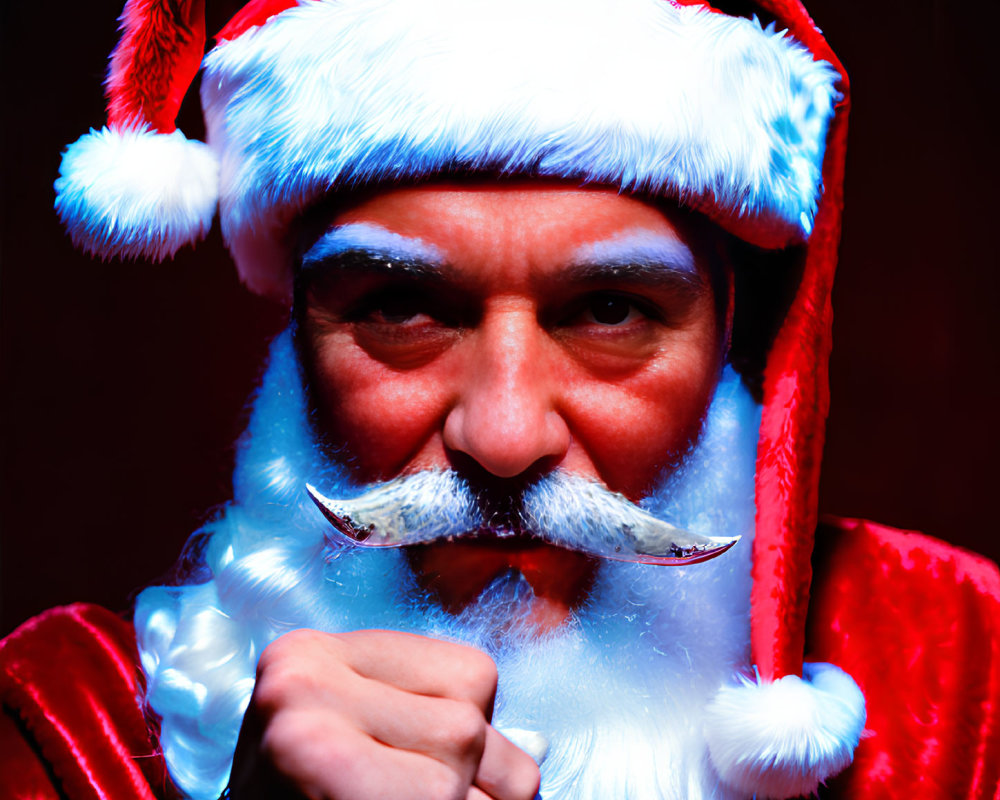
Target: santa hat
743,122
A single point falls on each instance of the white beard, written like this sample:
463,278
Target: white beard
618,692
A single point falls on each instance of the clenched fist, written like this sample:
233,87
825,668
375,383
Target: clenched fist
376,714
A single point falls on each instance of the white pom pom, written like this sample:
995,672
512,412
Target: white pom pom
782,739
137,193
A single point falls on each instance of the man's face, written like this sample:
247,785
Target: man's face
504,331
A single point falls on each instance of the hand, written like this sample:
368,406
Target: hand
376,714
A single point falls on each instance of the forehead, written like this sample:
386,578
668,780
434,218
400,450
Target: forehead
523,228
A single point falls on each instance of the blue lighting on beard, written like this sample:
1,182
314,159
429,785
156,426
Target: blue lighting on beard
649,637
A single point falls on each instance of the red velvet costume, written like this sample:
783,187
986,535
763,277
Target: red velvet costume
915,621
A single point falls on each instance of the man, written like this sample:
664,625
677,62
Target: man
501,312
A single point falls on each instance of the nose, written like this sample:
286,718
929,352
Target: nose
505,416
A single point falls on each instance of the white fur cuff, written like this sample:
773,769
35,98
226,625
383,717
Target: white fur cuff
667,100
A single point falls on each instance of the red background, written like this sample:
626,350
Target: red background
124,385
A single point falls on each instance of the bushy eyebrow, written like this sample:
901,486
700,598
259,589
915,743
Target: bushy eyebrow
373,262
651,274
641,258
363,247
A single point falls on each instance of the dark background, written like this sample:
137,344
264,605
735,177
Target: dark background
124,385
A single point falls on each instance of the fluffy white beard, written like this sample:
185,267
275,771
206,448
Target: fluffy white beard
618,692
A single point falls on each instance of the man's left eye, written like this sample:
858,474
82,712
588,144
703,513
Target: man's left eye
611,309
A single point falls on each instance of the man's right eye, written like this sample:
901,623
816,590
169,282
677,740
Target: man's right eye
397,310
396,306
402,328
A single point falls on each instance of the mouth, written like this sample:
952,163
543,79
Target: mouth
456,572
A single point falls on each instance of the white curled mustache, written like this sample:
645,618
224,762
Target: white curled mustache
560,509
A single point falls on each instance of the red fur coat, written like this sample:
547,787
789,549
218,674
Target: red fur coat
915,621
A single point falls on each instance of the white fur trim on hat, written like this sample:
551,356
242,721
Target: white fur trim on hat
136,193
782,739
641,94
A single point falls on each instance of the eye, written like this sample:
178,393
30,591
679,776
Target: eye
611,309
397,309
401,307
404,327
607,324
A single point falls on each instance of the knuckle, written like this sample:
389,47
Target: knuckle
287,646
273,690
342,643
462,731
477,675
483,669
286,685
294,667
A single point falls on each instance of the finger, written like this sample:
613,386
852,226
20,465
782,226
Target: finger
456,734
423,665
453,732
505,771
399,774
450,731
310,756
413,663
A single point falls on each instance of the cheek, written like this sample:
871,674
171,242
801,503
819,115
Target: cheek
631,429
383,418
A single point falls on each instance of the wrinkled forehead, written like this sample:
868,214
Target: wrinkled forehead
560,221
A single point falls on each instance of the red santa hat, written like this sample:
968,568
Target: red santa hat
743,122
